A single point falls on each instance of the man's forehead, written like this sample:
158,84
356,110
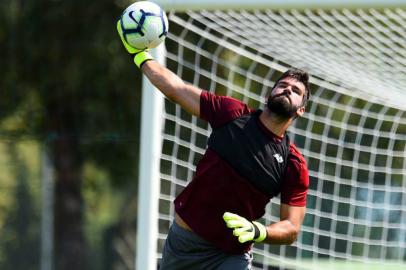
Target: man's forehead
293,81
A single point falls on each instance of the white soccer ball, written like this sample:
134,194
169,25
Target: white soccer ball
144,25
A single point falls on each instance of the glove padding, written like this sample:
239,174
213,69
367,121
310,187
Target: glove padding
139,56
245,230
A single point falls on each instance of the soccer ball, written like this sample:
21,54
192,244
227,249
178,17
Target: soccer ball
144,25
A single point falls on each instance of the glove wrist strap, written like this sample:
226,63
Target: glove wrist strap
260,232
142,57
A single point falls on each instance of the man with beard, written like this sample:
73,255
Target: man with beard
249,160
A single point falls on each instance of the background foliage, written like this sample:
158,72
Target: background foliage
67,89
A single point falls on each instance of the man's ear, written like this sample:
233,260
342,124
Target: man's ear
300,111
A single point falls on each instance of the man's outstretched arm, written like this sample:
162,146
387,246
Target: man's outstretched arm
187,96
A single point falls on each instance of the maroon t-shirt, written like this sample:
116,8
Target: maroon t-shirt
217,188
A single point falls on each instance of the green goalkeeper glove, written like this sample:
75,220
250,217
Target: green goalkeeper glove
245,230
139,56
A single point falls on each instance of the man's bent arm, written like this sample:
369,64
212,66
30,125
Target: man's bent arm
187,96
287,229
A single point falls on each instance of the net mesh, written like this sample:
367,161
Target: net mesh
353,135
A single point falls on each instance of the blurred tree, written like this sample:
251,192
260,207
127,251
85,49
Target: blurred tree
64,71
19,239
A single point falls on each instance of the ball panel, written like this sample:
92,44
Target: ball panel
132,16
138,42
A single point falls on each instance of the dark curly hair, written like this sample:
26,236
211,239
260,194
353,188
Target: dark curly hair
301,76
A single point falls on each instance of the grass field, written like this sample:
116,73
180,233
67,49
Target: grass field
338,265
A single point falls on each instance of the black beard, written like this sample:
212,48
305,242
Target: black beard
281,106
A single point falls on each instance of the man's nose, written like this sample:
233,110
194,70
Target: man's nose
287,90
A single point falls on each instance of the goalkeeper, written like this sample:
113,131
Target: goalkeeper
249,159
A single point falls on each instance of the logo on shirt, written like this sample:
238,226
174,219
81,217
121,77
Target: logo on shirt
279,158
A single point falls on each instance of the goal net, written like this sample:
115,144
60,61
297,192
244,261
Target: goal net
353,134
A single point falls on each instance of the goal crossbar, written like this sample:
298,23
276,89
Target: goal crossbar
182,5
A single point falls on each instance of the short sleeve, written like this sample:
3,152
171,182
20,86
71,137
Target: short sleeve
296,183
218,110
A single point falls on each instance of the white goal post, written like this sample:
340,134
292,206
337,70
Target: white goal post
353,134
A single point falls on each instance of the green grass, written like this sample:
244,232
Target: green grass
337,265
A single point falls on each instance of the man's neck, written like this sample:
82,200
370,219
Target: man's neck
274,123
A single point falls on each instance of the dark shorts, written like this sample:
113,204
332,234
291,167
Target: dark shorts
185,250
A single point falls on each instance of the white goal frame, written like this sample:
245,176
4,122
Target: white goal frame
181,5
152,106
